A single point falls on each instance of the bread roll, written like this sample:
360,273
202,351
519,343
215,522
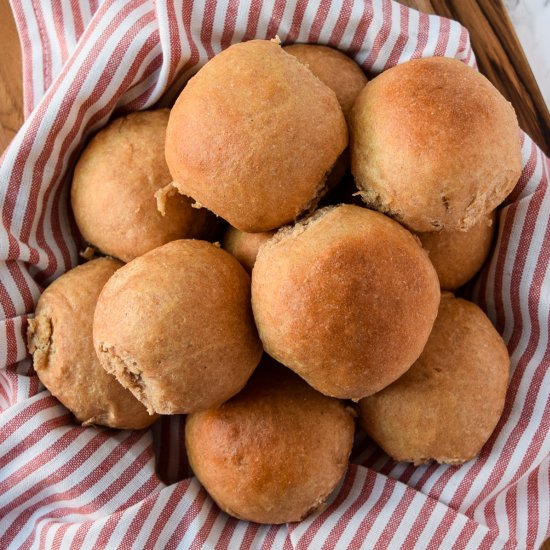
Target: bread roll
434,144
114,184
344,77
60,339
446,406
458,255
274,452
245,246
175,327
253,136
334,68
346,299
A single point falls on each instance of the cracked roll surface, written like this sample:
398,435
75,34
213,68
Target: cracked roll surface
334,68
446,406
346,299
253,136
273,453
175,327
60,339
458,255
113,189
434,144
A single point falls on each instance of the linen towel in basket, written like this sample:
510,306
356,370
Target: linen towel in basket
62,486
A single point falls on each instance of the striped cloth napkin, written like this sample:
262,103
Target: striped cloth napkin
62,486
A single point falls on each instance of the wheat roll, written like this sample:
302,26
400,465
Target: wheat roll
334,68
245,246
60,339
175,327
346,299
434,144
114,184
446,406
458,255
345,78
273,453
253,136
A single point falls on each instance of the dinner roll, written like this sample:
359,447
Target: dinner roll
175,327
274,452
253,136
458,255
434,144
345,78
114,184
346,299
334,68
245,246
60,339
446,406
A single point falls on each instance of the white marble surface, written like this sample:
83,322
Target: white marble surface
531,20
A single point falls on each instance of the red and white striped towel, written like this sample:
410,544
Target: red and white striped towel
63,486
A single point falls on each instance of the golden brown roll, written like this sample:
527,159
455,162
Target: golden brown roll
346,299
458,255
434,144
175,327
334,68
344,77
114,184
60,339
446,406
245,246
274,452
253,136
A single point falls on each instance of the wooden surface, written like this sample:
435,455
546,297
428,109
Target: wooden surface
11,89
496,46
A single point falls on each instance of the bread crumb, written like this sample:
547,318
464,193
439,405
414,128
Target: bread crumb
88,253
39,339
162,196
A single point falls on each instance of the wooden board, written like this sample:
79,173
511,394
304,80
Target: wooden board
499,55
11,88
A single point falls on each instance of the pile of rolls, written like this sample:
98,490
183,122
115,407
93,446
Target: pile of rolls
348,212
